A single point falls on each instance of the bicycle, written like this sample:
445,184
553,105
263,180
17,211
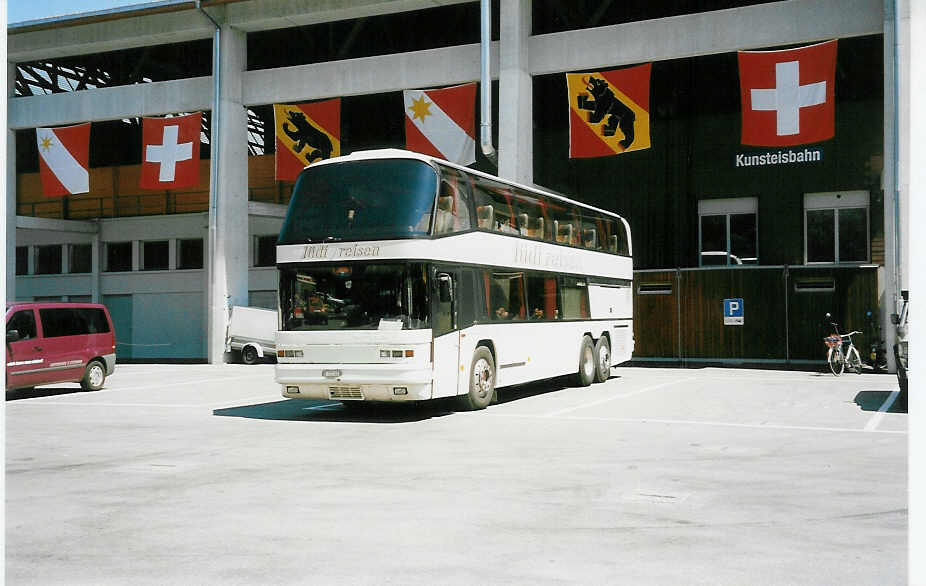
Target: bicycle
840,353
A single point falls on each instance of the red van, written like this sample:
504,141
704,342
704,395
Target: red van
58,342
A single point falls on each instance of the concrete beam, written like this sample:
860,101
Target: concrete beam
274,14
113,103
53,225
368,75
266,210
113,35
706,33
64,38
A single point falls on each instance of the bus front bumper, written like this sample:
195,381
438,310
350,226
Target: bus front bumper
354,382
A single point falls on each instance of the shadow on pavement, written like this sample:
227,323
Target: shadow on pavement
35,393
358,411
527,390
335,411
874,400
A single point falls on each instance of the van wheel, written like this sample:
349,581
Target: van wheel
94,376
602,360
587,363
481,381
249,355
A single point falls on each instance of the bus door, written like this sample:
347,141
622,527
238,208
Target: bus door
446,331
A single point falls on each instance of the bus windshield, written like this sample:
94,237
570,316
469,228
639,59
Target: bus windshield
361,200
362,296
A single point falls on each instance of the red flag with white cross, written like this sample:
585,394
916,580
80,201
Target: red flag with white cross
170,152
788,97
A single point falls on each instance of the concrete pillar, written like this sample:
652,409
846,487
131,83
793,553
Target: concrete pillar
10,225
515,93
888,292
228,254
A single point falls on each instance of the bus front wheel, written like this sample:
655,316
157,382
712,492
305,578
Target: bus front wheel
587,364
481,381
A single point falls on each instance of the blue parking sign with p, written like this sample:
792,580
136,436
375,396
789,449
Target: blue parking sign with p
733,312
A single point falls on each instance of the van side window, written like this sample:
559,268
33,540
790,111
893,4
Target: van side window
23,322
70,321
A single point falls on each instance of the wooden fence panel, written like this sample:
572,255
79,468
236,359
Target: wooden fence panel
762,335
655,314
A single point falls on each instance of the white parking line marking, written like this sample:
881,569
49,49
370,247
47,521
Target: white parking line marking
708,423
616,397
876,419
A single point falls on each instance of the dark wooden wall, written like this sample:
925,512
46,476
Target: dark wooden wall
678,314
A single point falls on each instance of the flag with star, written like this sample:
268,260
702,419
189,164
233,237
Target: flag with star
305,133
64,159
441,122
609,111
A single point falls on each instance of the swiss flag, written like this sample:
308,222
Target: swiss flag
170,152
788,97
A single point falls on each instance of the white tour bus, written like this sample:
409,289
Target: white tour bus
404,278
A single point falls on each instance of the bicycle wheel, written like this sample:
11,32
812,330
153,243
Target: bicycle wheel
834,359
854,360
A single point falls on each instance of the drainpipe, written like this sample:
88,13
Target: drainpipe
485,81
213,178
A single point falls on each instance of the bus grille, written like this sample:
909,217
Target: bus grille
345,393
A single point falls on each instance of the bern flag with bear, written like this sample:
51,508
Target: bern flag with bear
305,134
788,97
608,111
442,122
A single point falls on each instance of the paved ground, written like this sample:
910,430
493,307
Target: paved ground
204,475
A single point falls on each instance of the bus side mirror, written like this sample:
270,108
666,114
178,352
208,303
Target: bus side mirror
445,287
895,319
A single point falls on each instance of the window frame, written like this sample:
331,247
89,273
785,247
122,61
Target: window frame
836,201
727,207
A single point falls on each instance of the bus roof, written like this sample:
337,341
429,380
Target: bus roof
391,153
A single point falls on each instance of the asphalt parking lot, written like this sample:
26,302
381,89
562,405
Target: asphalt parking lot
199,474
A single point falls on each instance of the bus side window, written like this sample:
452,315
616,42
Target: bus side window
468,298
575,298
542,298
619,241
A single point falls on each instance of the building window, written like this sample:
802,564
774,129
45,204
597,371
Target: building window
836,227
22,260
155,255
728,231
80,258
265,248
48,260
190,253
118,257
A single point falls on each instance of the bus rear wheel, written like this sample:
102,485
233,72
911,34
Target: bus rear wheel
481,381
602,360
587,365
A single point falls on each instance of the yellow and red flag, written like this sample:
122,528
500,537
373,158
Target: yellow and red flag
608,111
305,134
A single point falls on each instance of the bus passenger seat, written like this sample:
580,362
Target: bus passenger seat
485,216
612,244
444,220
563,233
522,224
589,238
